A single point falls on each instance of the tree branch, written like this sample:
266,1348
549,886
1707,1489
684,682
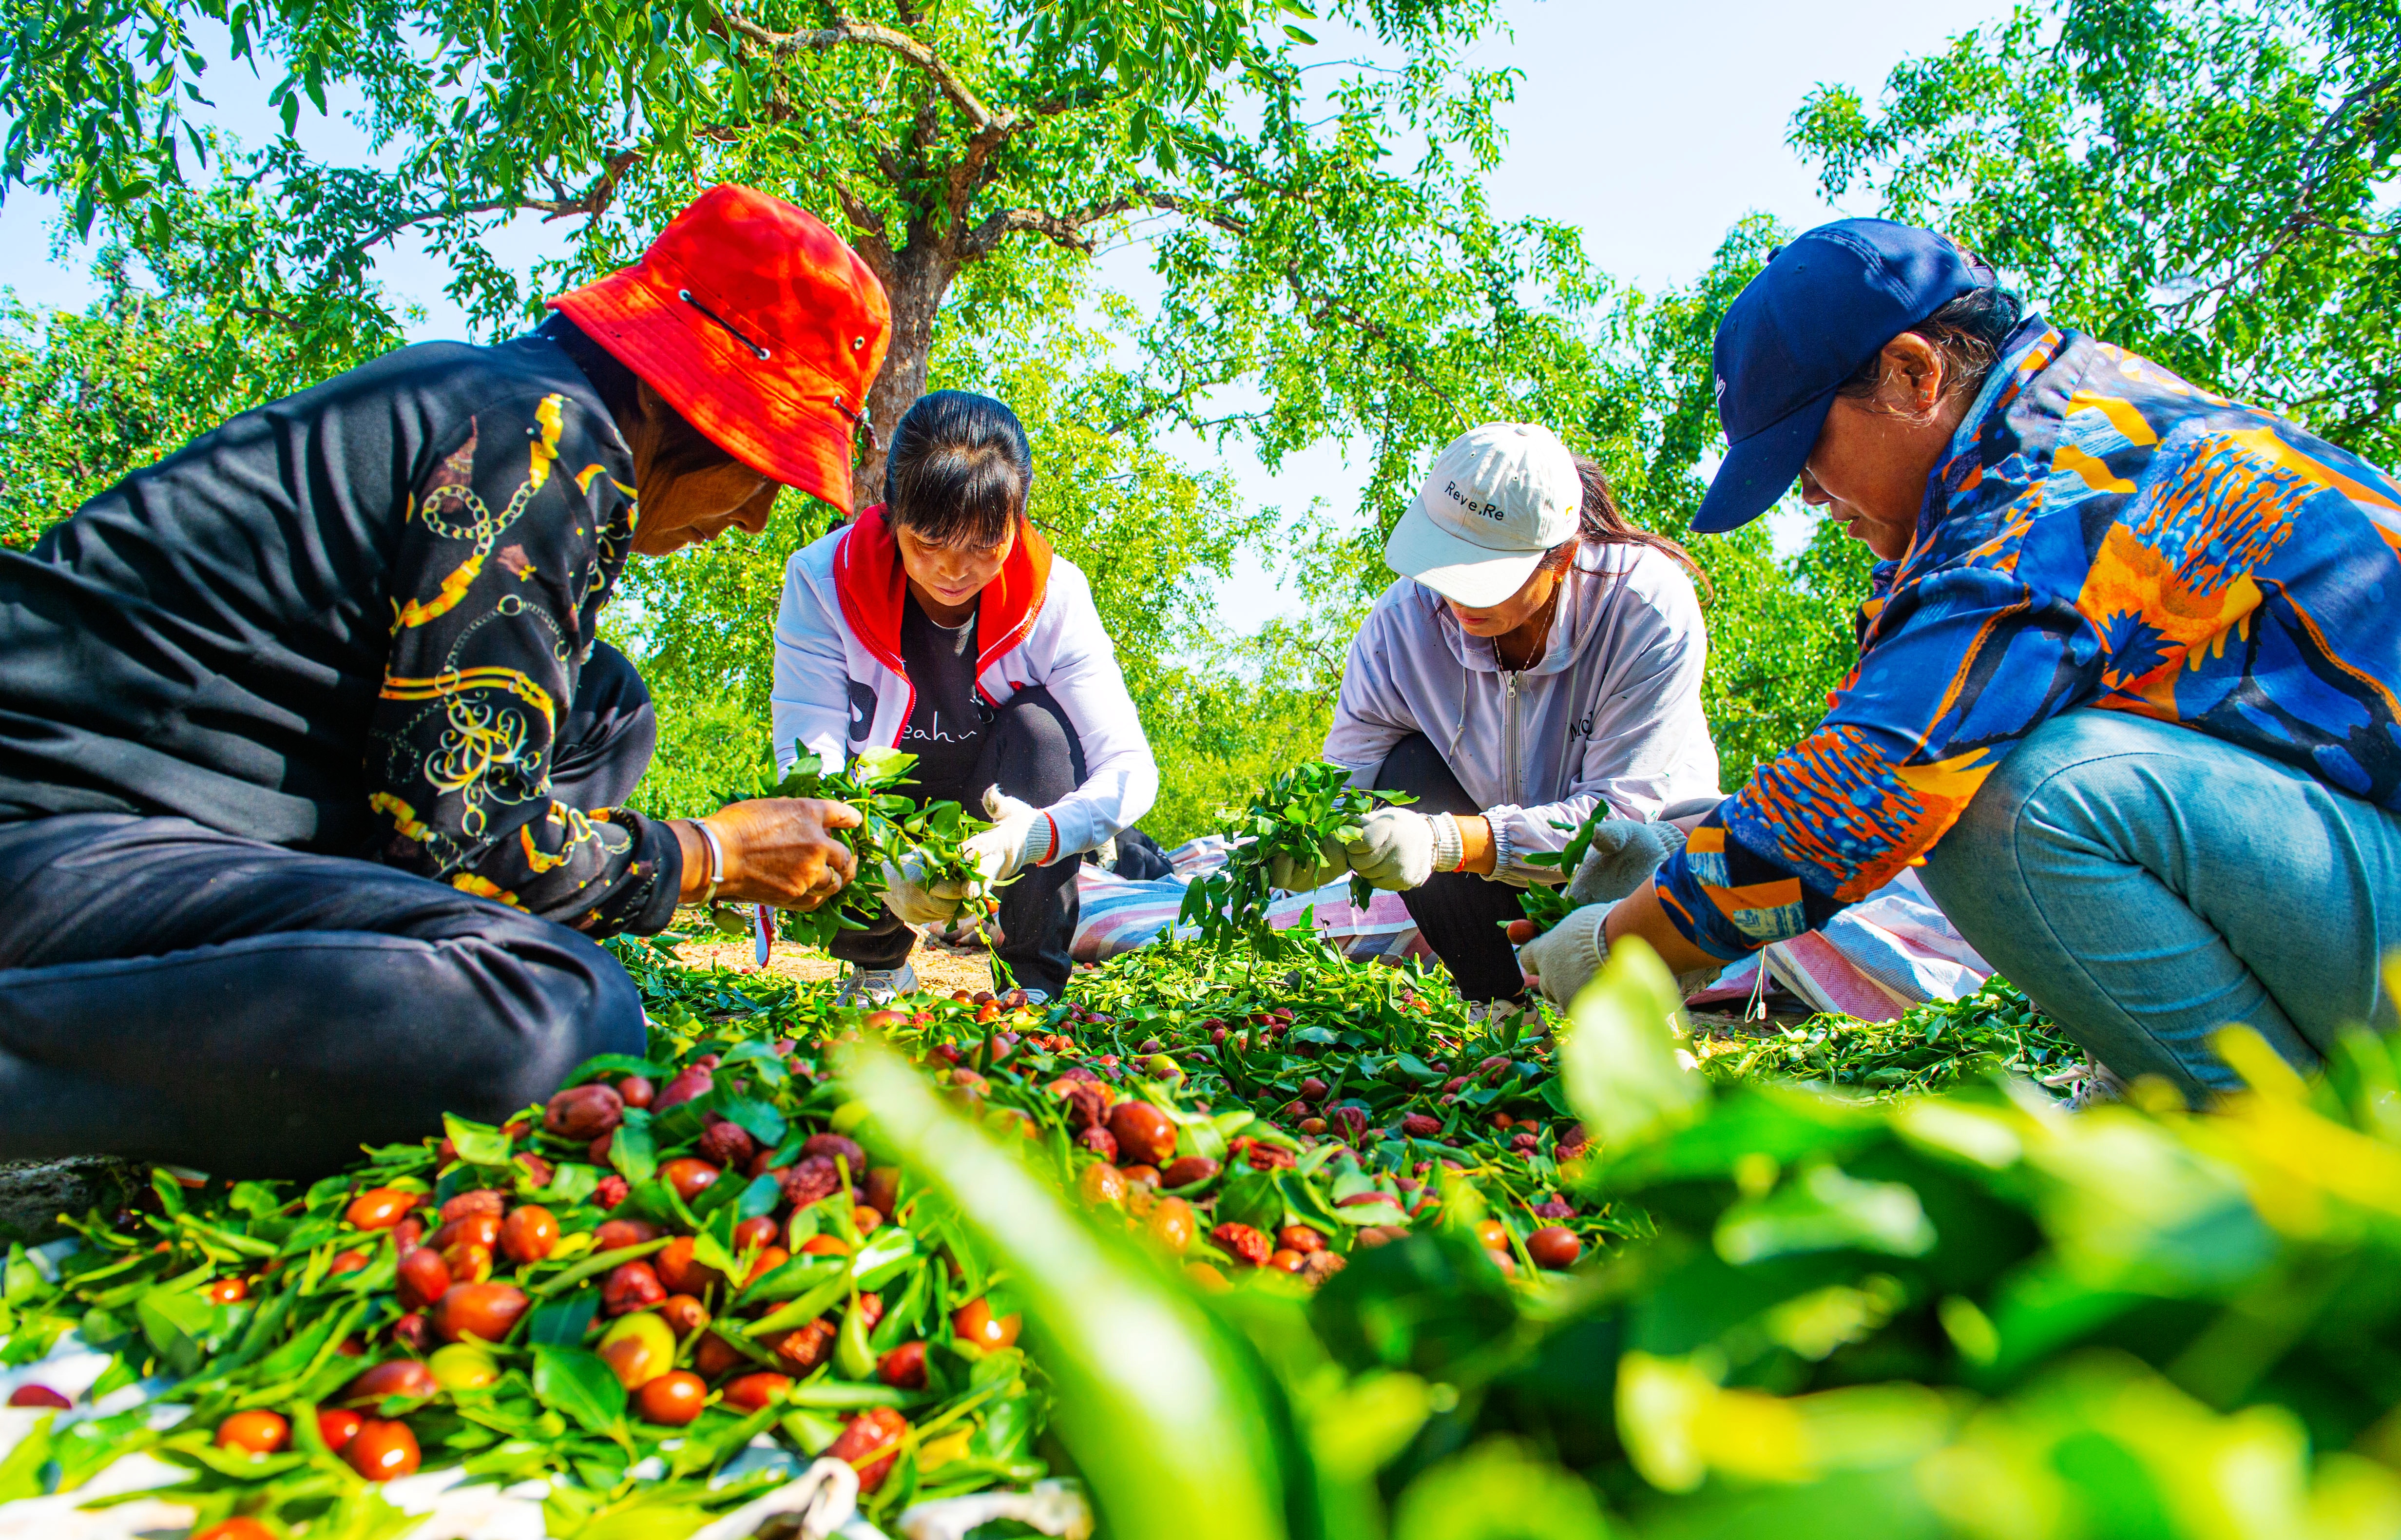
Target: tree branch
1068,229
976,110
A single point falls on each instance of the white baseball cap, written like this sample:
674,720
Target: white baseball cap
1498,496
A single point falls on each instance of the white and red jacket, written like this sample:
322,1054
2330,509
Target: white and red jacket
841,686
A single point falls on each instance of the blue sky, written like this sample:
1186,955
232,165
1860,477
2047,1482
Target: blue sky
1651,128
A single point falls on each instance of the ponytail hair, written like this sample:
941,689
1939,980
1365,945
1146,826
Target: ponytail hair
1600,522
959,471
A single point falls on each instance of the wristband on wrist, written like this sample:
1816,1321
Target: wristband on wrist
1041,838
715,860
1449,845
1503,852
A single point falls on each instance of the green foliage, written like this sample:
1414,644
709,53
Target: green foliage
2210,184
1292,816
1934,1046
85,398
892,829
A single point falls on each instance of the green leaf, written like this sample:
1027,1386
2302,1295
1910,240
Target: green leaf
632,1150
1826,1210
762,1122
562,1322
478,1144
175,1322
576,1383
1137,1364
1618,1057
1498,1491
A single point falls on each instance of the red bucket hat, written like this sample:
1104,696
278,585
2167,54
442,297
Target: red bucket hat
758,324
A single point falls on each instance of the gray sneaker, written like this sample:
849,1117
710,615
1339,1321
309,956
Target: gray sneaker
875,986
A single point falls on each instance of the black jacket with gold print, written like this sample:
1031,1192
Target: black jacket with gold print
350,621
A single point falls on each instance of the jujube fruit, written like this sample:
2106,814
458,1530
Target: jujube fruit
423,1278
683,1314
235,1529
395,1377
37,1396
1102,1183
750,1392
726,1145
674,1400
870,1444
584,1112
631,1285
1174,1223
528,1234
1300,1238
688,1084
486,1311
1553,1246
1144,1135
688,1176
638,1349
713,1355
1285,1259
1186,1171
680,1273
974,1322
379,1208
254,1433
636,1091
382,1452
478,1229
482,1200
337,1426
463,1366
756,1231
838,1147
615,1233
468,1261
229,1291
1247,1245
904,1366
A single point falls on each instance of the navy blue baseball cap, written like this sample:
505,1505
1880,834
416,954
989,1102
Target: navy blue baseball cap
1822,307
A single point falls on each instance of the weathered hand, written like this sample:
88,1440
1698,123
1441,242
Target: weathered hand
780,851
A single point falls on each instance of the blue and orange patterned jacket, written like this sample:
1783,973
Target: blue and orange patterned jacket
2102,534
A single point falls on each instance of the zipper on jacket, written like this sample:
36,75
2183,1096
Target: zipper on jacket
1511,776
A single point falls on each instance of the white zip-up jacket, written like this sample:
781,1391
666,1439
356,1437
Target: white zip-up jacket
1610,713
840,685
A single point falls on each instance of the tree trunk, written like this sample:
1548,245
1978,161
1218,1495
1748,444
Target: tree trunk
916,278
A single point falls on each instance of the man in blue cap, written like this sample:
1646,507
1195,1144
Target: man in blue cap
2127,678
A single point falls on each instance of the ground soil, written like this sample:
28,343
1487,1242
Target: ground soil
938,967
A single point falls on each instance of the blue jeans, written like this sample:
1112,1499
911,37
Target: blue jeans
2147,883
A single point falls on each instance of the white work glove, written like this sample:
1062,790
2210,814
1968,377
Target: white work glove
1394,849
907,894
1020,837
1567,955
1292,875
1622,855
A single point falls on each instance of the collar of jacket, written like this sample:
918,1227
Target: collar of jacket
869,581
1596,567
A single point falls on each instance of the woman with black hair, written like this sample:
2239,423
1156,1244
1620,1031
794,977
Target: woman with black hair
1539,657
941,622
